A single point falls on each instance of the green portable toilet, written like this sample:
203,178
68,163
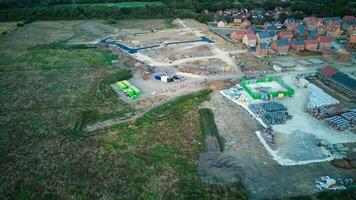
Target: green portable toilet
121,86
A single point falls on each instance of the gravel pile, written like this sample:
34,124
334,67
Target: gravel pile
299,146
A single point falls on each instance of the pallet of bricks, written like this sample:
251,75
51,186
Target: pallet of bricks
344,121
270,112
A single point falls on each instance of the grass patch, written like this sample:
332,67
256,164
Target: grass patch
209,126
169,23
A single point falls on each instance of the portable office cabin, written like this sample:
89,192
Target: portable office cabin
136,90
121,86
127,83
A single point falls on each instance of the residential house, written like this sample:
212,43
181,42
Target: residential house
333,31
322,30
351,29
222,24
273,29
281,46
285,35
312,23
292,26
312,34
311,45
349,19
289,21
352,41
245,23
324,42
265,37
299,31
239,34
250,40
298,45
262,49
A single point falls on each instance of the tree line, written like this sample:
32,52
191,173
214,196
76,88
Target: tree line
46,10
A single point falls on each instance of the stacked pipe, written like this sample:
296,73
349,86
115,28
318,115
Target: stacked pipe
350,116
270,112
339,123
268,136
327,111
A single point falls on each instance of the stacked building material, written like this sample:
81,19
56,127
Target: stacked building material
342,122
338,122
327,111
318,98
351,116
268,136
270,112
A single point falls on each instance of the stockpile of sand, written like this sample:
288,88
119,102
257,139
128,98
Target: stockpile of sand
299,146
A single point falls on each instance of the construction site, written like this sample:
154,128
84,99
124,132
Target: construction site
274,115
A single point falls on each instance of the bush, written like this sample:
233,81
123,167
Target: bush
20,24
111,21
4,33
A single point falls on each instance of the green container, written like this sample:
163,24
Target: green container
130,92
136,90
127,83
121,86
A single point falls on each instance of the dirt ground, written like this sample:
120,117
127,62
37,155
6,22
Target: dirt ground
263,177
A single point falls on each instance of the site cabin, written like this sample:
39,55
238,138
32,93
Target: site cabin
250,40
130,90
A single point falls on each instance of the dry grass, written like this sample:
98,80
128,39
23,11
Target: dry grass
49,92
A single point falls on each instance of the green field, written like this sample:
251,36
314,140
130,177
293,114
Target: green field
135,4
50,90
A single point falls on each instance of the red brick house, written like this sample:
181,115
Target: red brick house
324,42
262,49
352,41
281,46
312,23
298,45
239,34
250,40
285,35
311,45
292,26
245,23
